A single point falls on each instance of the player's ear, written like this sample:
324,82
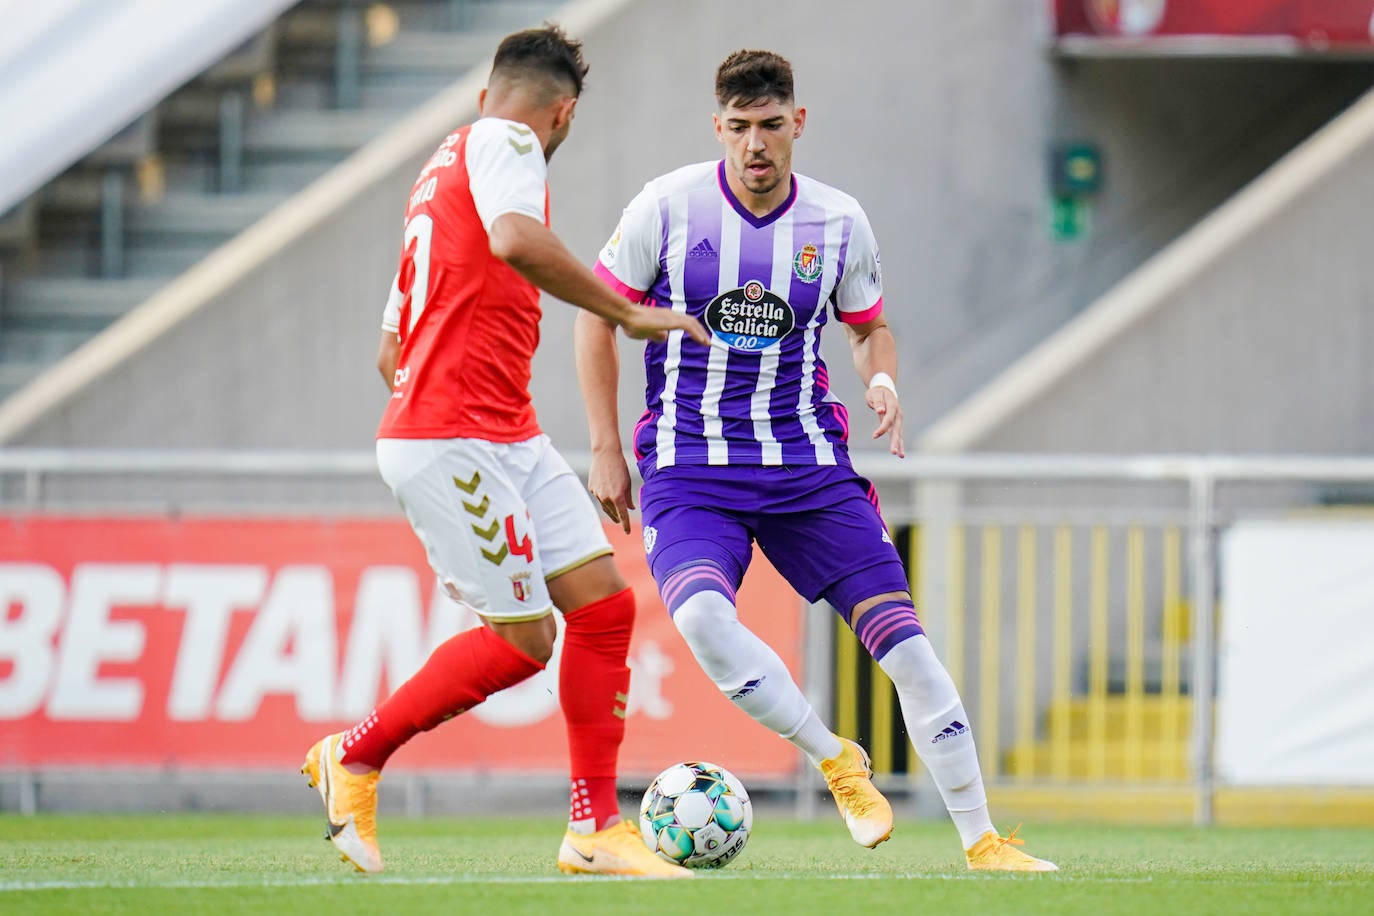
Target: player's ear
800,117
481,100
564,114
720,129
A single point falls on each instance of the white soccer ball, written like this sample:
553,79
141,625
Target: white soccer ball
696,814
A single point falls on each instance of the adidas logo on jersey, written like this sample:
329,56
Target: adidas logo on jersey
702,249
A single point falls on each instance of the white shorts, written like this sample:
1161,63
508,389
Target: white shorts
497,520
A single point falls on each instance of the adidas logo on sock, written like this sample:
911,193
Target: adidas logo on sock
949,731
748,688
702,249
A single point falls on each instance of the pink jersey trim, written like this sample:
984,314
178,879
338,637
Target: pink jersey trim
868,314
611,280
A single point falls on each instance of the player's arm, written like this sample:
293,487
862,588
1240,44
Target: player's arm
628,265
388,354
875,358
858,301
598,375
540,257
389,347
507,179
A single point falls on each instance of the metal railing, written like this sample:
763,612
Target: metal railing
1090,579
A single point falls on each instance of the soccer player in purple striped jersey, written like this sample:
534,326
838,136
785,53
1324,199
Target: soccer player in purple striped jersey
742,441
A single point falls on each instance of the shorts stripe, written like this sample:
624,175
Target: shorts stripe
569,567
525,618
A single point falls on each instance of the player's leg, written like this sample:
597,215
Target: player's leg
698,552
455,494
873,599
598,615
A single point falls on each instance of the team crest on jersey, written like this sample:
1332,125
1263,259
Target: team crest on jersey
612,247
650,538
807,264
519,584
750,318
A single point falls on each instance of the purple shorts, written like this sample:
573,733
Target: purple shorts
818,526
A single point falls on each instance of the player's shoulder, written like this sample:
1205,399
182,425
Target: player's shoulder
680,180
492,133
827,196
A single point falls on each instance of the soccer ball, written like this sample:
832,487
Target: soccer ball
696,814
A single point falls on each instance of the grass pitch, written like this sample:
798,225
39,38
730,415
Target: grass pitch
236,863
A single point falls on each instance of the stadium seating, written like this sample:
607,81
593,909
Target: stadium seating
255,124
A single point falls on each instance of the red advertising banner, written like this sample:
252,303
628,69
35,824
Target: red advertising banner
1316,24
231,642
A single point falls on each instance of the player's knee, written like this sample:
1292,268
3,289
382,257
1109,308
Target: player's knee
532,637
704,618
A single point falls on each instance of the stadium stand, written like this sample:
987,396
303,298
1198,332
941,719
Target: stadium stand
230,108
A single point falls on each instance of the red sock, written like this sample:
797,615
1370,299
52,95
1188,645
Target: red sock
461,673
593,687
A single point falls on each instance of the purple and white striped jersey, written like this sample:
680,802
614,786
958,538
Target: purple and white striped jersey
760,394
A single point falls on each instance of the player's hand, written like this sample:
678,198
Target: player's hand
652,323
884,403
608,480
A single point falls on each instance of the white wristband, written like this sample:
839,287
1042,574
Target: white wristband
883,380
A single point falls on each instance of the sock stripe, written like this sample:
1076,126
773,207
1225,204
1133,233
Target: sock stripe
887,624
680,585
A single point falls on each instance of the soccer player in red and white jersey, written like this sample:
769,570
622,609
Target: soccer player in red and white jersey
505,523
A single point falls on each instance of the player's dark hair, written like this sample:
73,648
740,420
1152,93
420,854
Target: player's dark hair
546,51
753,77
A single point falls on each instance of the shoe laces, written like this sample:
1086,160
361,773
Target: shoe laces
848,784
1008,840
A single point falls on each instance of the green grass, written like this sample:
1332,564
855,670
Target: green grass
233,863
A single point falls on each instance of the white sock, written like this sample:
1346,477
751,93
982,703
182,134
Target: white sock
751,674
815,740
939,730
972,825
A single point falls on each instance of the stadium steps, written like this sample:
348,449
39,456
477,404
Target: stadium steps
63,292
1159,752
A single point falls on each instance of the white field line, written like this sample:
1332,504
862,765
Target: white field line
588,880
446,880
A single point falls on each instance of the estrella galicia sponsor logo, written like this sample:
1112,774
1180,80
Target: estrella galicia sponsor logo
750,318
951,730
807,264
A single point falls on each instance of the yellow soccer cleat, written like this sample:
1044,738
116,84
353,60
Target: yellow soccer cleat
350,804
999,853
617,850
850,779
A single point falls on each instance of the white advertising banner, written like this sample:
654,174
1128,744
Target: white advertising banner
1295,700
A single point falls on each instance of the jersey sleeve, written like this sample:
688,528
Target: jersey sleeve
391,315
506,170
629,260
858,296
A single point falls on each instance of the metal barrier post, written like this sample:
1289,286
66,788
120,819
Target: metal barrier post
1202,489
28,794
818,633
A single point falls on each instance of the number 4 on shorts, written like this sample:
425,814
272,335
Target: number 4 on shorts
521,547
